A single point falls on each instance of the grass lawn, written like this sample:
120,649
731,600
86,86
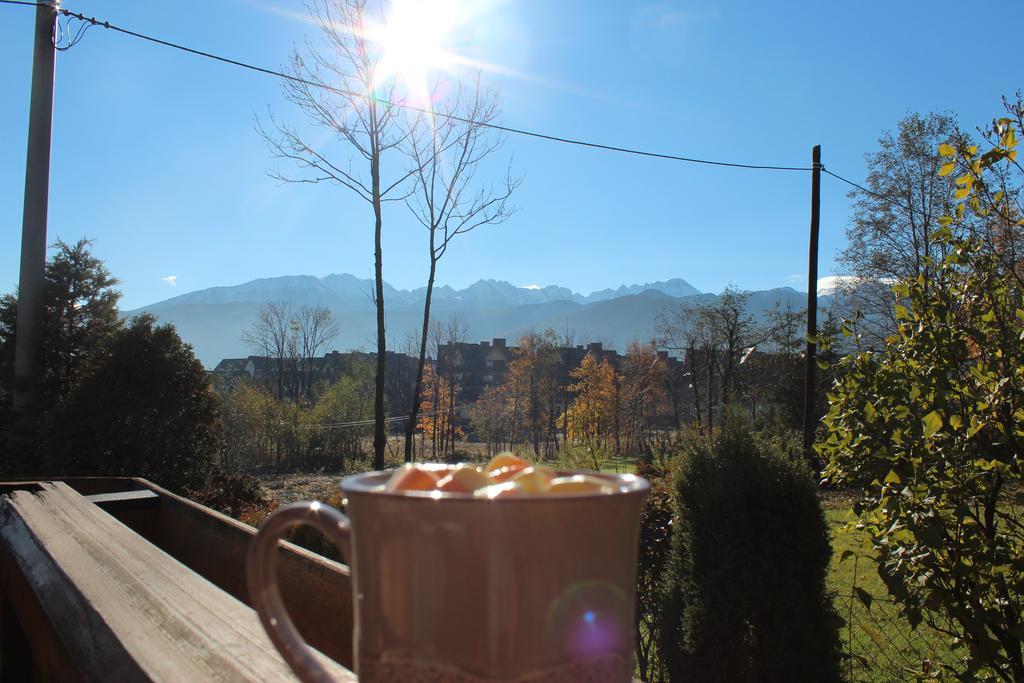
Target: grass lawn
883,645
619,465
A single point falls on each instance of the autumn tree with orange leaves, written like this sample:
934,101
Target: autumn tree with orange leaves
591,417
436,420
642,396
534,390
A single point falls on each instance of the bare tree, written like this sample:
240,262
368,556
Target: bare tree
716,337
315,328
446,151
445,336
891,232
339,88
270,336
677,331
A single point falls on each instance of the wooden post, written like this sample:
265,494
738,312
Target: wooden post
810,413
33,226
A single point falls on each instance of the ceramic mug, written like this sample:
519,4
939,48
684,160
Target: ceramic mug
451,588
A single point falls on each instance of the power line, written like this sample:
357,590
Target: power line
364,423
92,21
71,40
890,200
453,117
853,184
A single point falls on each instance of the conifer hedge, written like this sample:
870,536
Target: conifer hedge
746,597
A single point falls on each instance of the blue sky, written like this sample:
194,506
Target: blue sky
155,156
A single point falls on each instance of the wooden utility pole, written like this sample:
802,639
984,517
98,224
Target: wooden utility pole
811,365
33,225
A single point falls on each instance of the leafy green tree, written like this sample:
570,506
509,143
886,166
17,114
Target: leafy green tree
655,551
144,407
345,402
746,598
248,412
79,316
930,428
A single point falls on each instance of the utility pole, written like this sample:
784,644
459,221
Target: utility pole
811,365
33,225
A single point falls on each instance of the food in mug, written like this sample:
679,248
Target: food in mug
505,475
503,460
465,478
535,479
412,478
580,483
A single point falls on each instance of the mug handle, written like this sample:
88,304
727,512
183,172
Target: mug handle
264,594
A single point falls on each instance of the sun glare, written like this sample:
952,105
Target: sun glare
415,40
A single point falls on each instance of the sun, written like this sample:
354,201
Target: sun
415,43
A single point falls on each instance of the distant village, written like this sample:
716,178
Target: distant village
473,367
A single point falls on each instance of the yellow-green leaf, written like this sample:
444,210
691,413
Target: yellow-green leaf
946,150
945,220
932,423
873,634
946,169
892,478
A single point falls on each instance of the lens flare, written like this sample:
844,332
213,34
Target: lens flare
591,618
415,40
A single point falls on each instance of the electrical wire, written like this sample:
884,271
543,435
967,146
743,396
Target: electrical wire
364,423
92,21
889,200
79,34
452,117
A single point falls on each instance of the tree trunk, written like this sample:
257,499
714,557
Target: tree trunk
451,417
675,403
435,432
692,356
309,377
727,374
410,427
280,377
711,390
615,419
514,426
379,437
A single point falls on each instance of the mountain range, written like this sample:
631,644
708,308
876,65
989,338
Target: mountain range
213,320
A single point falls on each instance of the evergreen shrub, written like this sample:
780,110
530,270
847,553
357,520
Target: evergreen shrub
746,596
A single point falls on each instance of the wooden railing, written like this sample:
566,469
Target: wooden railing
118,579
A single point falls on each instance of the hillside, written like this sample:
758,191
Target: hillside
213,320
